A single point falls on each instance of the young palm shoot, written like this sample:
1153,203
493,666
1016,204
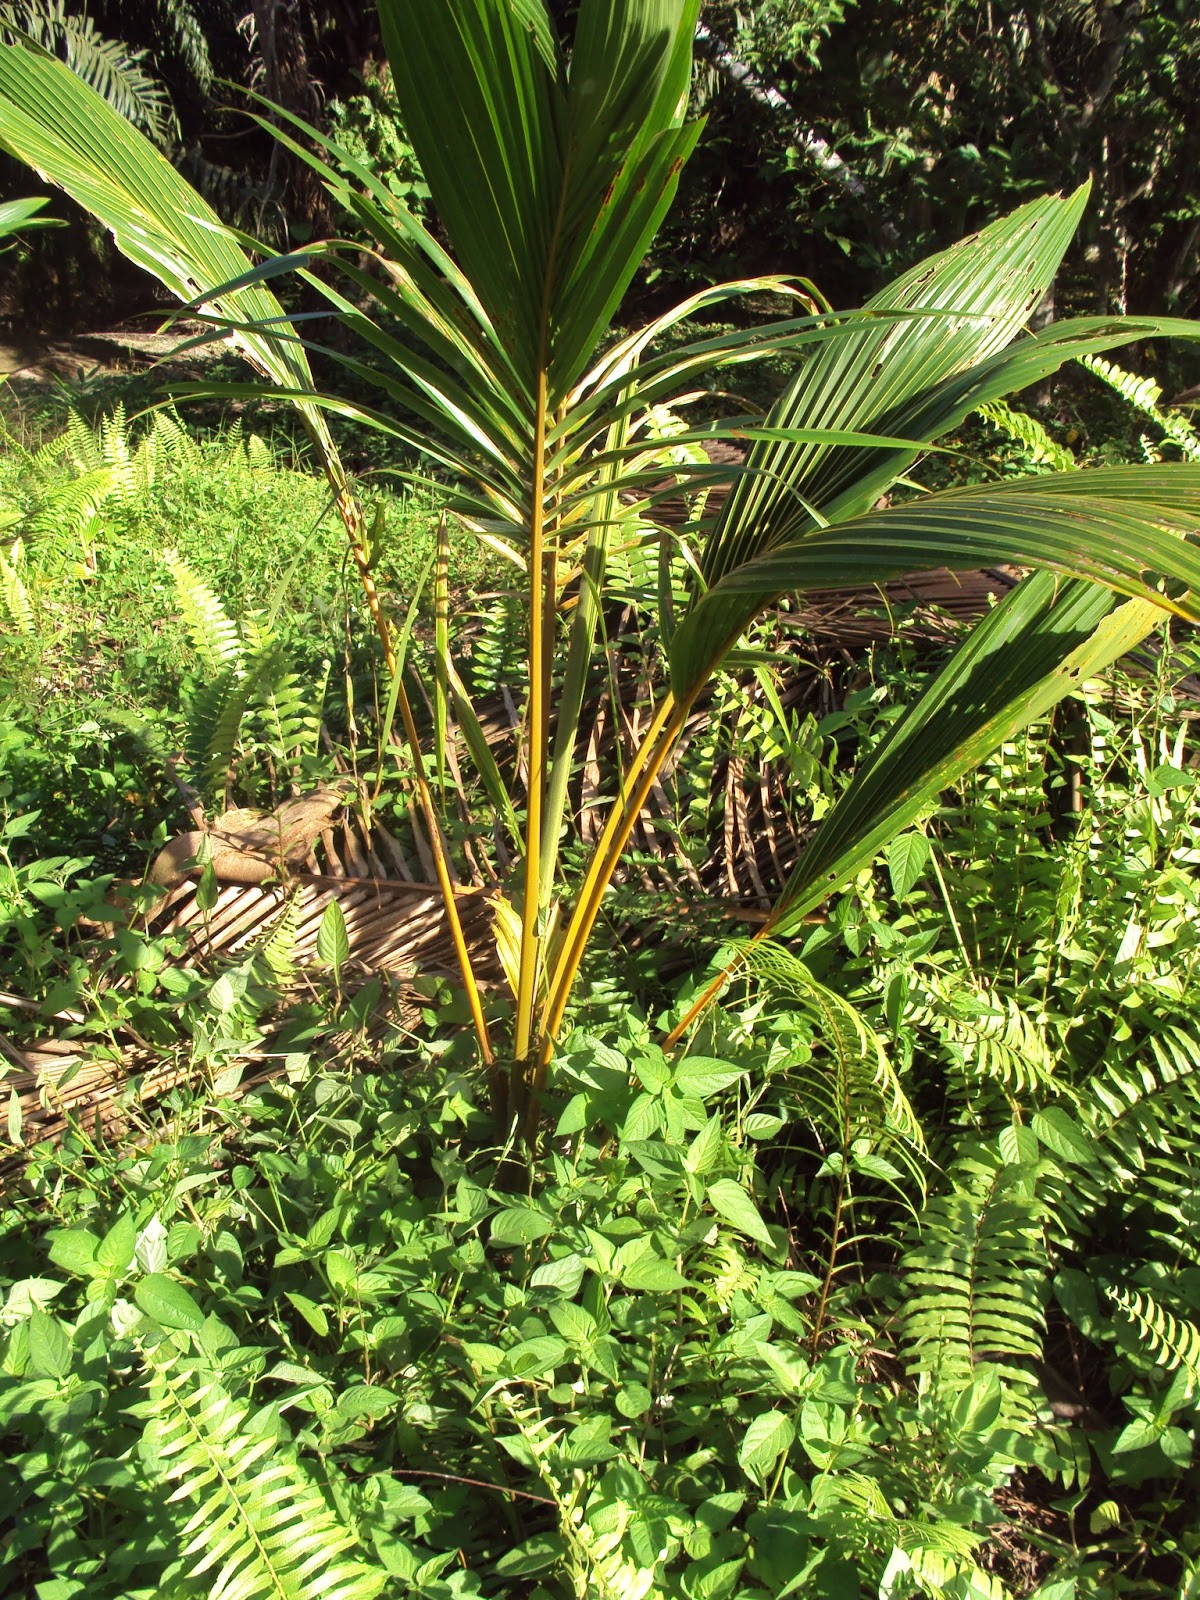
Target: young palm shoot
550,172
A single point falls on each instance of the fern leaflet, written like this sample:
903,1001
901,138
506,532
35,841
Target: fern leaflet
1172,1341
260,1527
976,1279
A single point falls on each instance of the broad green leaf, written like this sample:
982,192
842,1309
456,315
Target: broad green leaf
341,1268
653,1275
644,1119
521,1225
320,1234
705,1149
1142,1431
634,1400
1018,1144
208,890
719,1582
333,943
74,1250
532,1555
535,1358
575,1116
769,1436
1058,1130
168,1302
907,858
564,1273
732,1202
577,1326
49,1345
367,1400
697,1075
116,1250
312,1313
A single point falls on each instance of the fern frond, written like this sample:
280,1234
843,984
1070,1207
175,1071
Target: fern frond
1145,1103
179,21
1171,1341
496,646
82,445
1144,394
928,1557
46,457
1027,431
277,947
168,440
214,635
261,1527
118,454
207,742
13,593
987,1037
67,508
291,708
976,1280
862,1098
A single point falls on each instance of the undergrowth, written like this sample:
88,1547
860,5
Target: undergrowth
886,1286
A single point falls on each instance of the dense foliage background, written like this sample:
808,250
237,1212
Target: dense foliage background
846,138
882,1284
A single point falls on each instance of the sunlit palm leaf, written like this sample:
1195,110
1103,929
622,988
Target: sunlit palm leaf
1040,643
987,286
78,143
549,188
1122,527
16,215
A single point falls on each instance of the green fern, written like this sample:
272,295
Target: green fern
14,596
496,645
277,947
66,510
1141,1114
1144,394
1027,431
926,1556
859,1105
260,1529
1171,1341
987,1038
250,699
213,633
976,1280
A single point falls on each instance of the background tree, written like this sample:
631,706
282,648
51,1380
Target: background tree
897,125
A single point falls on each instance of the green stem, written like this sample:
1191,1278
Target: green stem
527,980
656,747
579,656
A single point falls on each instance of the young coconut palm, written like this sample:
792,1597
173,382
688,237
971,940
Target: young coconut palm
550,175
